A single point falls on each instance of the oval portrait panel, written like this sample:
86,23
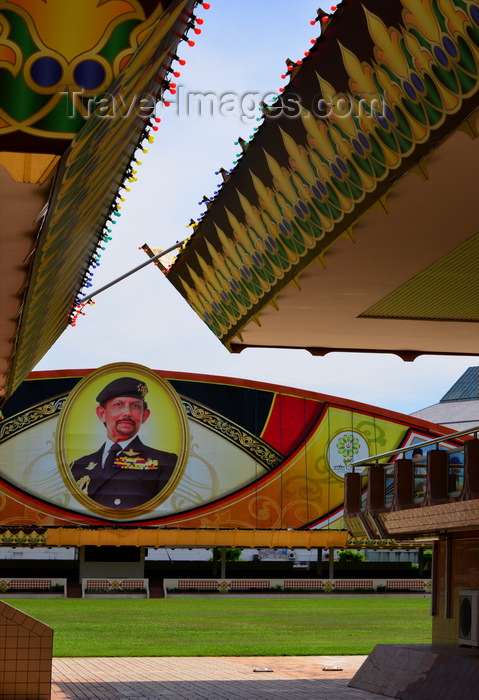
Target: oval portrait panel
122,441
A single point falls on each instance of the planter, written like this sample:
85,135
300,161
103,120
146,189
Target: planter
32,594
102,594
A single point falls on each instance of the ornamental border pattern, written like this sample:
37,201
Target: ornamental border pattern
30,416
18,537
263,453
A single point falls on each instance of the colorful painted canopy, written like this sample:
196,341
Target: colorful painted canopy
58,61
350,221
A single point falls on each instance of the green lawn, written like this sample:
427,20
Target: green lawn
230,627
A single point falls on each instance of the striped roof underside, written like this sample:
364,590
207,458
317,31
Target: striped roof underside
466,387
440,292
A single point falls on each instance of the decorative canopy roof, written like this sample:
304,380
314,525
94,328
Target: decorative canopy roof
64,66
351,219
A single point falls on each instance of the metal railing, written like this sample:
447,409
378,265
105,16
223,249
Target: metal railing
419,445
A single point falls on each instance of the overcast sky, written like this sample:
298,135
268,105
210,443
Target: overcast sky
241,52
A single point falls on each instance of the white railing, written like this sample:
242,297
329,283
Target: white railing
419,445
455,470
19,587
173,586
115,587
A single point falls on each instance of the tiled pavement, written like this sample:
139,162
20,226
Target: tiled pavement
207,678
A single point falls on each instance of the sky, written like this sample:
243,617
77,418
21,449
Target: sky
238,60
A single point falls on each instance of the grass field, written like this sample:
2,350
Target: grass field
230,627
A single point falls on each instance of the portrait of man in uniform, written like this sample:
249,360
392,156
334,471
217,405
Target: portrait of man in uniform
124,472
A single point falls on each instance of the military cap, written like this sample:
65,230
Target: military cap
125,386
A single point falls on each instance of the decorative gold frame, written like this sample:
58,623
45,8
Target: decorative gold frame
100,377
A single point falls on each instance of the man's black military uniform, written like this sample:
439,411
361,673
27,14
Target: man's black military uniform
129,479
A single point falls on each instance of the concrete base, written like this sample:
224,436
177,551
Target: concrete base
420,672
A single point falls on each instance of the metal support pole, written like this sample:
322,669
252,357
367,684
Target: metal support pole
223,562
319,561
131,272
331,563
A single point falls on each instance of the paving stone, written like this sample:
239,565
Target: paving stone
207,678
